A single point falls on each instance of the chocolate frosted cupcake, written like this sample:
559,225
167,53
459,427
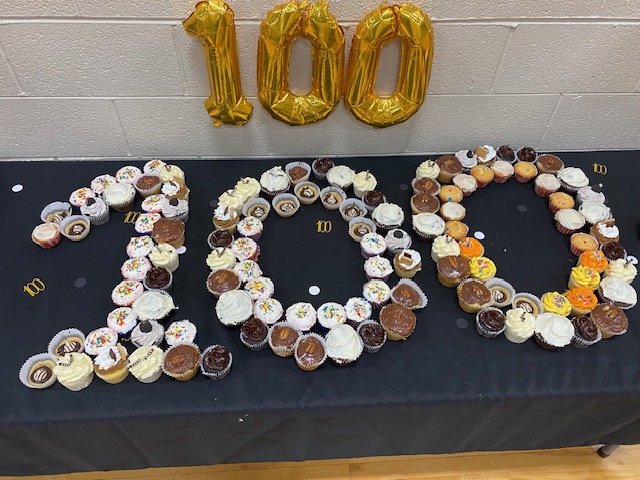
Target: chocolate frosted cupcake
282,338
548,163
473,296
253,333
148,184
610,320
310,351
220,238
506,153
372,335
398,321
158,278
372,199
613,251
586,332
425,185
181,361
298,172
424,203
452,270
216,362
169,230
449,166
490,322
321,166
221,281
408,294
527,154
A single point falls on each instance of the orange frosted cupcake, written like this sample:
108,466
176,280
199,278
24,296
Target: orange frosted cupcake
560,200
594,259
450,193
456,229
470,247
582,242
483,175
582,300
525,171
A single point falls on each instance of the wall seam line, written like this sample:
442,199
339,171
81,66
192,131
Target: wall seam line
551,117
124,134
183,74
12,71
502,54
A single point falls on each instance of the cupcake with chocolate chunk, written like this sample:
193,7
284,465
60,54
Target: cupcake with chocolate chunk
225,218
221,281
490,322
605,232
176,208
282,338
397,239
452,270
486,155
586,332
548,163
181,361
96,209
146,333
407,262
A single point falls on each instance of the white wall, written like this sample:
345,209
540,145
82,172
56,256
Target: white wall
117,78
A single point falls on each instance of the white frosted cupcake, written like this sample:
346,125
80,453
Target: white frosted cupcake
343,345
302,316
363,182
274,182
341,176
234,307
429,169
427,226
74,371
97,211
120,196
444,246
520,325
388,216
145,363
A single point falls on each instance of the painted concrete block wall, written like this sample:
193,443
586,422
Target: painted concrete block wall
120,78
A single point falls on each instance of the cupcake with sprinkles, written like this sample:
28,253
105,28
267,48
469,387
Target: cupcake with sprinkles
247,270
79,197
140,246
259,288
99,339
126,292
553,302
135,268
250,227
122,320
146,221
372,244
376,292
128,174
269,310
358,310
102,182
330,315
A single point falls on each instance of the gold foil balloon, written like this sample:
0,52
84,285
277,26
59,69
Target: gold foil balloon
279,29
212,22
413,28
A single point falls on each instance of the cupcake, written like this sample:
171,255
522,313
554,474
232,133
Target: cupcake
269,310
75,227
164,255
483,175
358,310
482,268
473,296
37,371
456,229
307,192
525,171
145,222
158,279
352,208
466,183
397,239
282,338
376,292
153,166
248,188
553,331
298,172
527,302
582,276
553,302
363,182
359,227
614,251
216,362
181,361
99,339
586,332
170,172
427,226
331,197
145,363
377,267
372,336
559,201
550,164
286,205
220,238
449,167
468,159
175,189
486,155
111,364
594,212
572,179
372,199
55,212
502,170
490,322
223,280
102,182
502,292
46,235
253,334
256,207
452,211
343,345
321,166
153,306
606,232
330,315
429,169
388,216
232,199
595,259
407,262
424,203
610,320
245,249
153,203
74,371
470,247
96,210
444,246
221,259
450,193
582,242
398,321
135,268
621,269
247,270
425,185
590,194
120,196
274,182
452,270
505,152
617,292
259,288
568,221
372,244
341,176
234,307
126,292
526,154
122,320
148,184
310,351
225,218
140,246
176,209
79,197
128,174
408,294
69,340
147,333
582,300
546,184
168,230
519,325
302,316
250,227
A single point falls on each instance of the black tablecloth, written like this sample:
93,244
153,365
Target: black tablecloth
446,389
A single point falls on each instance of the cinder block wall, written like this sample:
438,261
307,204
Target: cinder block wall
118,78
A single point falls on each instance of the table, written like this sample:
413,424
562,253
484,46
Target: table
446,389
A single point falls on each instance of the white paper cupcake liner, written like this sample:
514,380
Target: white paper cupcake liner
72,218
531,297
579,342
165,289
256,201
303,200
285,196
148,191
100,219
352,202
30,362
484,331
371,348
62,335
500,282
304,165
364,220
55,207
339,191
216,375
423,297
281,351
310,368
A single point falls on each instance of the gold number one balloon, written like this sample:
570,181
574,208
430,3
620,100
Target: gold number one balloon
413,28
212,22
279,29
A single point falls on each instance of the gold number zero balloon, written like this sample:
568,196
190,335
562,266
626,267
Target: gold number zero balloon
279,29
413,28
212,22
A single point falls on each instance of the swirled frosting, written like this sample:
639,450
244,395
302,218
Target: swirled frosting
520,324
397,239
343,343
553,302
585,277
232,199
554,329
220,258
388,214
234,307
169,173
618,291
94,207
443,246
119,193
73,367
341,176
145,362
364,182
594,212
587,194
574,177
275,180
153,305
147,333
248,188
622,269
164,255
429,169
482,268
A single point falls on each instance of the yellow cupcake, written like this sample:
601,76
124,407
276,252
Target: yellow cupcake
553,302
482,268
582,276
